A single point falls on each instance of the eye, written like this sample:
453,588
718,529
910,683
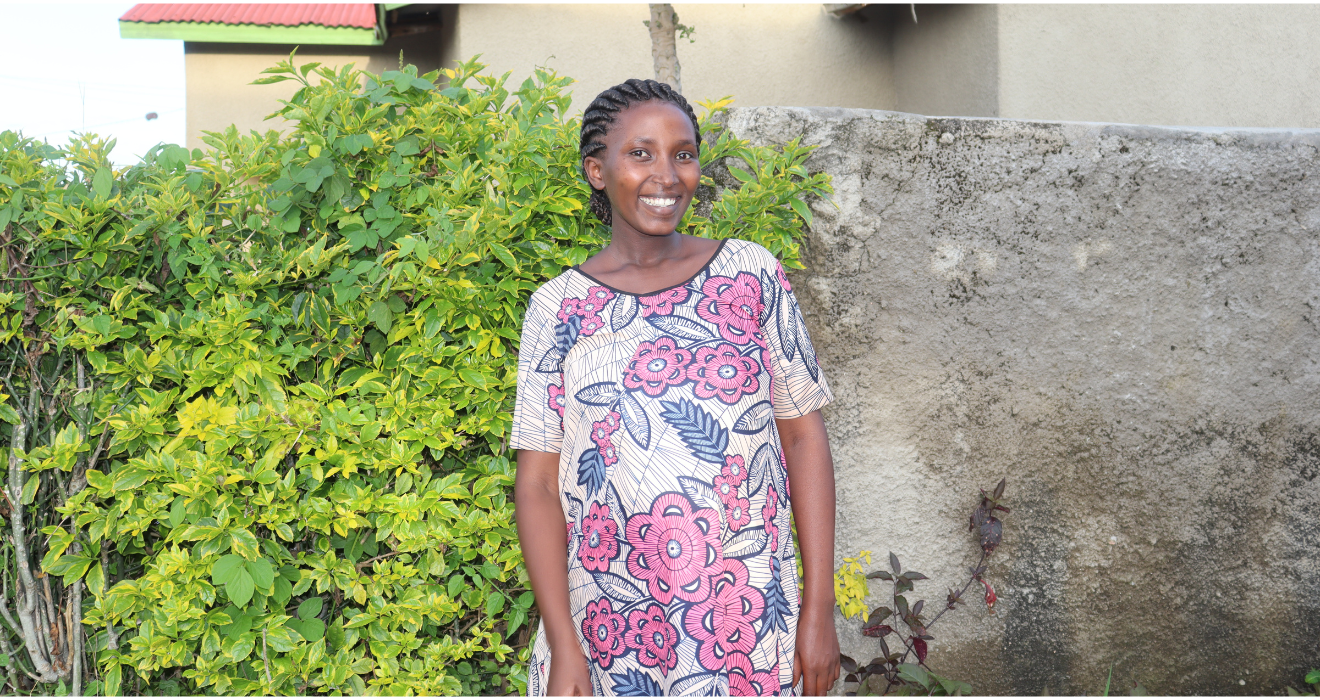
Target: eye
685,155
638,153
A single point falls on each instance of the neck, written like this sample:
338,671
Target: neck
632,248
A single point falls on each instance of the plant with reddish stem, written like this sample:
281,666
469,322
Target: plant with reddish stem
917,679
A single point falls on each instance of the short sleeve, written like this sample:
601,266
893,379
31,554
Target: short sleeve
538,410
797,384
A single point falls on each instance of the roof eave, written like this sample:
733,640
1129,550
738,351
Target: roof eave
253,34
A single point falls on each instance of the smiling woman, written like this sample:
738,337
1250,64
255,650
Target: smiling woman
667,391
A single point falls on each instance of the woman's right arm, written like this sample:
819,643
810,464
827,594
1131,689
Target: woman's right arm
541,532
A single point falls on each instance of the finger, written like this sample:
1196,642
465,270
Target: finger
797,668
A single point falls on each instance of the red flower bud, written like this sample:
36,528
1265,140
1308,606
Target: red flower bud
990,597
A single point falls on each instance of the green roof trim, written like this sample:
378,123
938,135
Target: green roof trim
251,33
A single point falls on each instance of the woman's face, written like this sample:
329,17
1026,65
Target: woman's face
649,168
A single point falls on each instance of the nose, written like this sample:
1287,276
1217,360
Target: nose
665,172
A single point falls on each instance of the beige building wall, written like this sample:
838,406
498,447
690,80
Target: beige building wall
761,54
1192,65
947,61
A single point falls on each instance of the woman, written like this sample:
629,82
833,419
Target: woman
668,395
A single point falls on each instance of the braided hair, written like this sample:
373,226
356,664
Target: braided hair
600,115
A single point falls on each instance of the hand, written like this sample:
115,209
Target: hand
569,674
816,662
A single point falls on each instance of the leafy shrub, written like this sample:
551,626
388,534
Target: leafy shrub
256,399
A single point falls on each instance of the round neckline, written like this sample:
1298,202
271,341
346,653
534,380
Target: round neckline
714,256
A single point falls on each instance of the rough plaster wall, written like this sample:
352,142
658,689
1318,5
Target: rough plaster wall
1200,65
1122,321
783,54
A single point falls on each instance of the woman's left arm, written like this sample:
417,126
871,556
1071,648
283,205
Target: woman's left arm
811,477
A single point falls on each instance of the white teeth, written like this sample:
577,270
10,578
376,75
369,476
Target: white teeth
660,201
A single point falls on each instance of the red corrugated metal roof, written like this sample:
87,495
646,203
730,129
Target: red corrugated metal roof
289,15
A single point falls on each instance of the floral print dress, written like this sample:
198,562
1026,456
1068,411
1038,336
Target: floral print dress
673,483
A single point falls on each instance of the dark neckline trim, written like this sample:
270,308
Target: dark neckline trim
714,256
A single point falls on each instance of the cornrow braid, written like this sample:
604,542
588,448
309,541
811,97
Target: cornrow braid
600,115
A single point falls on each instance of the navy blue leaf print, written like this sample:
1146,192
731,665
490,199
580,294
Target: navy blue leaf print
770,292
617,587
749,542
777,611
808,352
591,471
634,683
700,492
625,308
754,419
681,327
699,430
763,463
699,684
599,394
566,334
635,420
787,318
551,363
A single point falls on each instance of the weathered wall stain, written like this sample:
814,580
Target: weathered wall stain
1123,321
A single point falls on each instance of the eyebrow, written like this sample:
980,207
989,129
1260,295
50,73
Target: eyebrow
647,140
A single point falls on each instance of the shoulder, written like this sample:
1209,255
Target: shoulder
549,296
750,256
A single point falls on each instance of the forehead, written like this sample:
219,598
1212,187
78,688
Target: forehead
655,120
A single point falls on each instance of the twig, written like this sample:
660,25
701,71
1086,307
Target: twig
366,563
264,662
112,638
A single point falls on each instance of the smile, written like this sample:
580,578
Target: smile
659,201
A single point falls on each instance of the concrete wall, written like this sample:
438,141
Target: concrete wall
1199,65
761,54
1124,322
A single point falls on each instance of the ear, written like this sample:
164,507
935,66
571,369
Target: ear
595,171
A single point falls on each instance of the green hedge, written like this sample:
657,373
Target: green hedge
257,398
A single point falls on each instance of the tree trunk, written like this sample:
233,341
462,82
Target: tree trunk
663,49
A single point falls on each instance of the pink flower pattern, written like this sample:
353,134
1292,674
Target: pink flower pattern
604,629
653,590
724,373
675,549
722,623
734,305
768,512
663,304
599,541
654,638
656,366
746,682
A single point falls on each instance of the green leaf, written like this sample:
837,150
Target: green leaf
801,208
310,608
503,255
225,570
102,183
240,589
380,314
312,630
30,489
494,603
741,174
263,574
472,378
245,544
281,590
